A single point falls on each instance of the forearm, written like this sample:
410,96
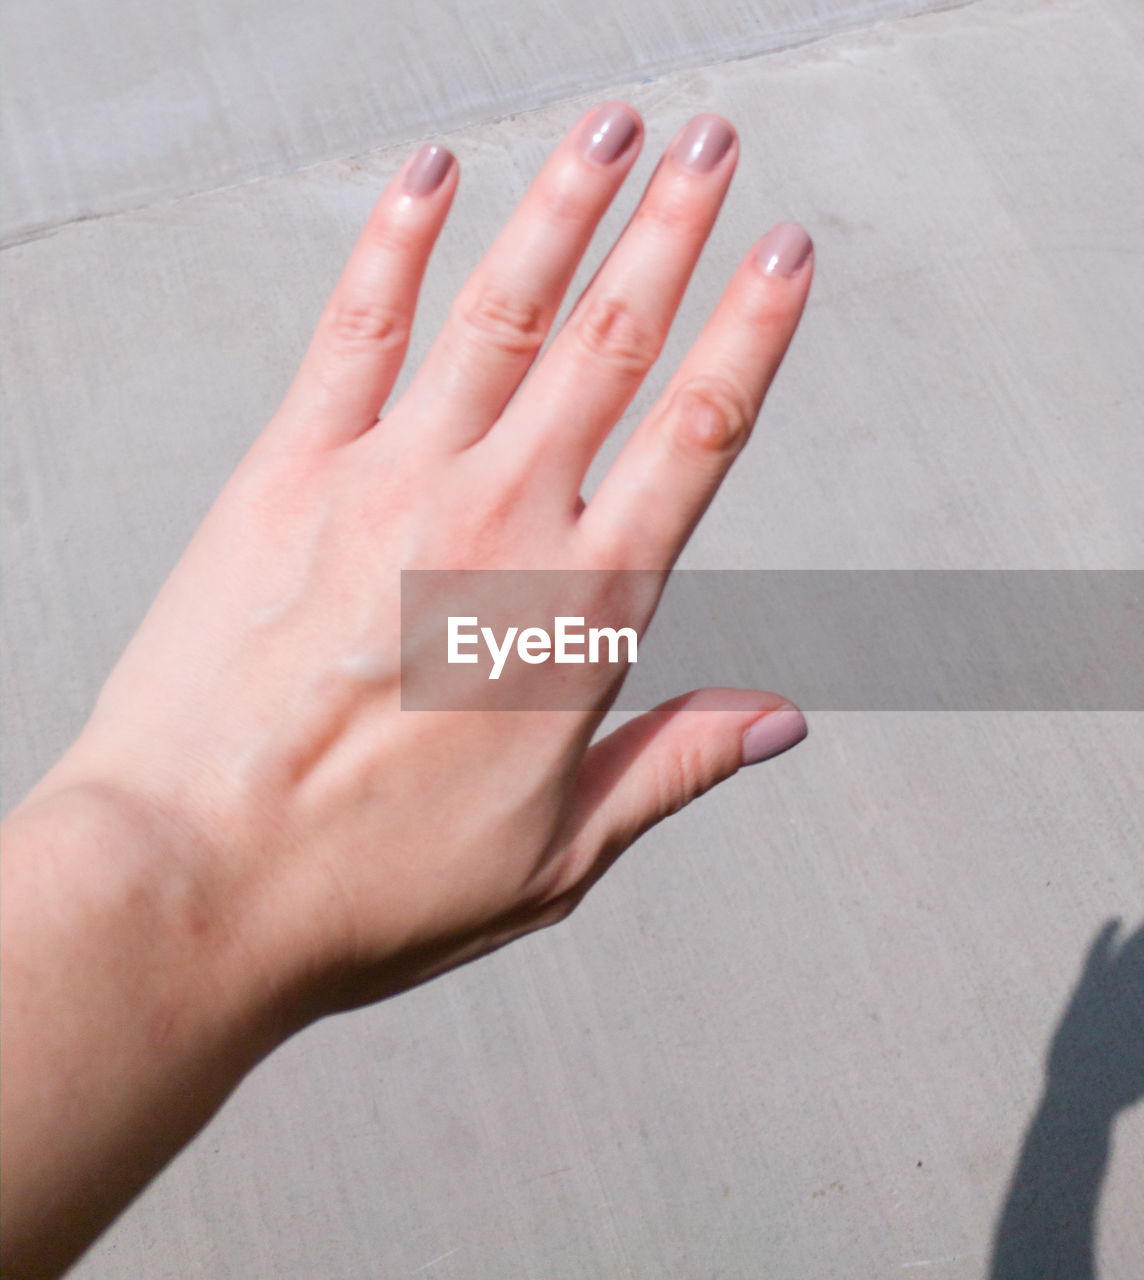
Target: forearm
1048,1225
129,1014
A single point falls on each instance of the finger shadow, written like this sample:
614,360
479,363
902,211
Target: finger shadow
1046,1229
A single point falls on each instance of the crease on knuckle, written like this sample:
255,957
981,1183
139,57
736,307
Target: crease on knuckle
768,314
369,323
565,200
393,236
709,416
513,324
669,211
612,330
683,778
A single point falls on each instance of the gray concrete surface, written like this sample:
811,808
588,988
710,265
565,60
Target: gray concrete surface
800,1031
121,103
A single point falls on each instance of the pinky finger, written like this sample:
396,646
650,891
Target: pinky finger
361,338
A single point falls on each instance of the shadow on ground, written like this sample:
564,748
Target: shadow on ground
1047,1226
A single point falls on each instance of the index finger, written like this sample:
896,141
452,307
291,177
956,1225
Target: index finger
669,470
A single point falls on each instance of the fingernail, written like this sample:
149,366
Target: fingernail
609,133
702,144
775,733
427,170
784,249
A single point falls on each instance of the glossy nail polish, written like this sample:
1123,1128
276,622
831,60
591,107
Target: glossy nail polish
784,249
609,133
427,169
775,733
703,143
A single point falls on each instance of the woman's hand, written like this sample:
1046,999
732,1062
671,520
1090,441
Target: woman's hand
250,832
259,703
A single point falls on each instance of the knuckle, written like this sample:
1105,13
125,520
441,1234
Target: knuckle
488,533
769,313
671,211
511,323
710,416
390,236
683,778
604,550
613,331
566,200
486,528
370,323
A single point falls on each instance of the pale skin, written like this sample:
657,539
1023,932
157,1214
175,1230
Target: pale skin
249,833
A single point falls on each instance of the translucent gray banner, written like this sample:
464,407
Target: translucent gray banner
845,640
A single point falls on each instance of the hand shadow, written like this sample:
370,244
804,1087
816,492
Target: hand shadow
1047,1227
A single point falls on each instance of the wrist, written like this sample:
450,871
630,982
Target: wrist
114,864
132,1006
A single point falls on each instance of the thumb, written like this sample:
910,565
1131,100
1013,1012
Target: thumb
655,764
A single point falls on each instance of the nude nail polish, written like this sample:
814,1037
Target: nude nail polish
609,133
704,142
775,733
427,170
784,249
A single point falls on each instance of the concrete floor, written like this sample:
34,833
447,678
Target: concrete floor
801,1030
